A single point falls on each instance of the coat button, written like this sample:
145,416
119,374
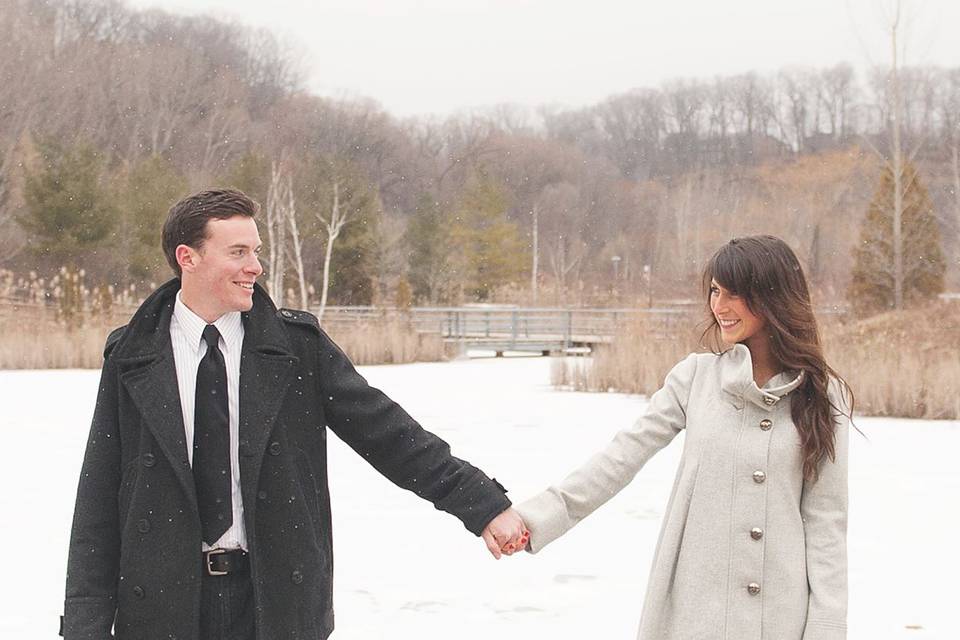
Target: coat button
753,588
143,526
262,495
765,425
138,592
759,477
286,314
756,533
296,576
148,459
274,448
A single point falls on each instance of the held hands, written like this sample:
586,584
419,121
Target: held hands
506,534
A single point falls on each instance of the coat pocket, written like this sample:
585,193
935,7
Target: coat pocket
128,480
311,494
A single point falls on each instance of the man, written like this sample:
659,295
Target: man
202,509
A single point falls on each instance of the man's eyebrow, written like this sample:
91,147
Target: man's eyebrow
240,245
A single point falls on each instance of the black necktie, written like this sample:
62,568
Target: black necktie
211,441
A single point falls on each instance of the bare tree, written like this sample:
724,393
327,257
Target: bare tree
896,162
333,220
296,244
279,197
836,96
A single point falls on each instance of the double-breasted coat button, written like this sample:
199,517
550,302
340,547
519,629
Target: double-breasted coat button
138,592
756,533
143,525
148,459
286,314
759,477
262,495
753,588
296,576
765,425
274,448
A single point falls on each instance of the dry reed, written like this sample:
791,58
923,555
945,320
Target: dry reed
35,338
904,364
62,323
637,361
387,342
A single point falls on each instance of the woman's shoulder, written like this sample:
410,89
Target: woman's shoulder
693,365
839,394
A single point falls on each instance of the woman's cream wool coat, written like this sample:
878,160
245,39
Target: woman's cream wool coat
748,549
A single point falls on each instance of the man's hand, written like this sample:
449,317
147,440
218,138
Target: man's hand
505,534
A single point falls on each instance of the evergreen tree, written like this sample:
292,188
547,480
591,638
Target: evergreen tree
491,252
872,286
147,193
428,238
68,211
251,174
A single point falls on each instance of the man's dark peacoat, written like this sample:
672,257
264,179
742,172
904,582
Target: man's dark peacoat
134,559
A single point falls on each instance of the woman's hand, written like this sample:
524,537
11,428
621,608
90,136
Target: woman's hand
506,534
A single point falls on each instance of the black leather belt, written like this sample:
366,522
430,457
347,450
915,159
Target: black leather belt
221,562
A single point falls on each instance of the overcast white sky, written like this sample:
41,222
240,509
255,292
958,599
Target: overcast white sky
438,56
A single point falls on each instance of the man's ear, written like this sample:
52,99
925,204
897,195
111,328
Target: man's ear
187,257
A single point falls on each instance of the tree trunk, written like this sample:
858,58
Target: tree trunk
897,166
334,224
536,256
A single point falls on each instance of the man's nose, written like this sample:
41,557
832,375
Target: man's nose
255,267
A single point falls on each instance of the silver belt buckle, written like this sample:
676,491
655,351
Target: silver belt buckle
206,561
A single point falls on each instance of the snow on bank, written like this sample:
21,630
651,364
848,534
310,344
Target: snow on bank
404,570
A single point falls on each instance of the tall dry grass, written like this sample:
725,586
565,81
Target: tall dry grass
62,323
388,342
36,339
637,361
903,364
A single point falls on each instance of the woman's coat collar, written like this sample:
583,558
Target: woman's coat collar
736,378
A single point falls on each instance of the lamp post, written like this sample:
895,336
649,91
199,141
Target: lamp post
648,279
616,275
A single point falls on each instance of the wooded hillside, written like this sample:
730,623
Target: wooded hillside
108,115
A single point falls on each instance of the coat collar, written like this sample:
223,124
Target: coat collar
148,333
736,378
144,358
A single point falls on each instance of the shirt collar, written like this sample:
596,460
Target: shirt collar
230,326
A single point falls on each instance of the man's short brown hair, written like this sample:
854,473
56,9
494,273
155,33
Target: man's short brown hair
187,220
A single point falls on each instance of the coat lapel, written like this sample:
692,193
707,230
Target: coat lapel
153,388
266,367
149,374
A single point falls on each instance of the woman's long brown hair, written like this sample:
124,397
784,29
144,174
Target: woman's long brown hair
765,272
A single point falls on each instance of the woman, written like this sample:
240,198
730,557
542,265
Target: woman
753,542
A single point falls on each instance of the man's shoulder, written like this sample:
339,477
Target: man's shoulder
299,318
112,340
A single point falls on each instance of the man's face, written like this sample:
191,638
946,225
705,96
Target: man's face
220,275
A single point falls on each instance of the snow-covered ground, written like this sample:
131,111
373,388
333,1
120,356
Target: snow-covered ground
404,570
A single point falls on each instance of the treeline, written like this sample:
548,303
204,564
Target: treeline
108,115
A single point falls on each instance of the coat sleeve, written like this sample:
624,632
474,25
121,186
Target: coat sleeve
823,507
386,436
556,510
94,554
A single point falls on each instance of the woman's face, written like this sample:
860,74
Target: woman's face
737,322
